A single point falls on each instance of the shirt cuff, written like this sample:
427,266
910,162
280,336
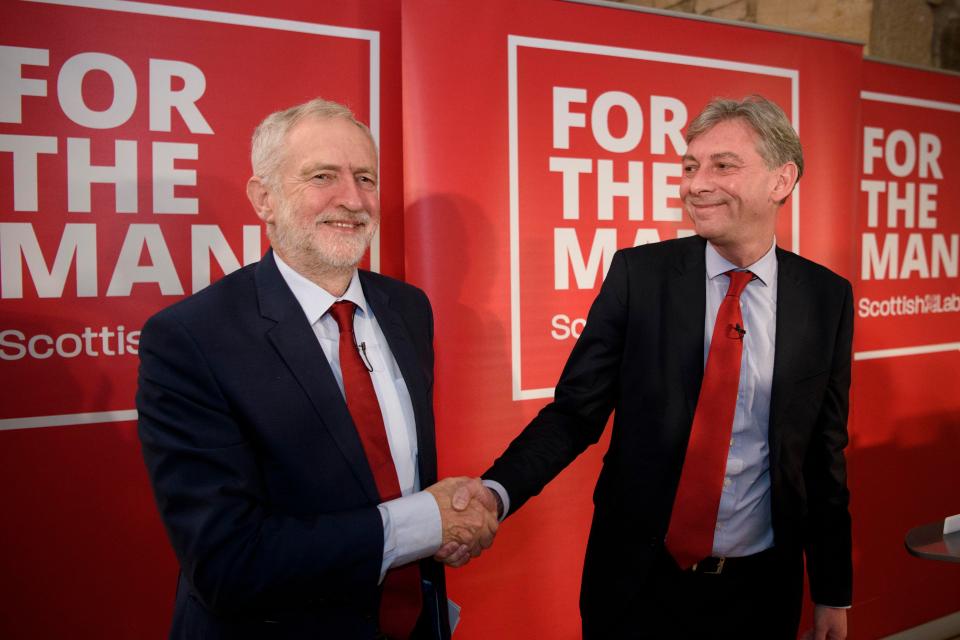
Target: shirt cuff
502,492
411,529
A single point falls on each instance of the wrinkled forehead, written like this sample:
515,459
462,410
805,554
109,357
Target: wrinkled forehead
314,137
733,122
730,135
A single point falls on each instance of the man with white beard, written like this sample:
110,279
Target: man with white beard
286,417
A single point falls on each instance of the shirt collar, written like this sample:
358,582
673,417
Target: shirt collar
314,299
765,269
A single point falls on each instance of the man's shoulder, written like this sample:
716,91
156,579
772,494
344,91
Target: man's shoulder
677,249
815,271
226,297
395,289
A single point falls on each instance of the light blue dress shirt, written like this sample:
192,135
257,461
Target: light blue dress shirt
744,524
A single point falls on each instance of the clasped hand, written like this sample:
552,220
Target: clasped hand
468,514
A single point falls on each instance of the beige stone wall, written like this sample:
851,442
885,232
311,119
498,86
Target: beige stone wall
946,34
923,32
726,9
902,30
848,19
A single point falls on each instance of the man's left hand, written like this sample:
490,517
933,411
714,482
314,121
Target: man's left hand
829,623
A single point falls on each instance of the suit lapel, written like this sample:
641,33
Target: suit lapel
792,316
686,307
294,340
398,339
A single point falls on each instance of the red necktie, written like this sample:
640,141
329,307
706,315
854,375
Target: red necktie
694,518
401,601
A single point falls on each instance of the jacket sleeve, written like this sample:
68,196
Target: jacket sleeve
583,400
237,552
828,539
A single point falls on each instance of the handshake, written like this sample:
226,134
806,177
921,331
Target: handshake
469,517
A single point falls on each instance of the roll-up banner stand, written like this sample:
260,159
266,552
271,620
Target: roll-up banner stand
540,137
906,402
124,154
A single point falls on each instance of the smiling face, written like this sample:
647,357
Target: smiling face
322,206
730,193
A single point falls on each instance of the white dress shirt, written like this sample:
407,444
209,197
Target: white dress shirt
411,524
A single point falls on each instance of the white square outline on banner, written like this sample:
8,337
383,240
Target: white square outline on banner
220,17
514,42
925,348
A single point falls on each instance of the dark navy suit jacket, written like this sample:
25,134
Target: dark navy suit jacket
641,356
257,468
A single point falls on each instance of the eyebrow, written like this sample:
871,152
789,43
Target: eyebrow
717,157
726,155
321,166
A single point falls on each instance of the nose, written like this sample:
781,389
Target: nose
348,195
696,182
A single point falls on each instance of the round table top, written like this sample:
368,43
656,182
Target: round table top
928,541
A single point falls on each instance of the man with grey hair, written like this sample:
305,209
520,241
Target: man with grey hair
726,362
286,419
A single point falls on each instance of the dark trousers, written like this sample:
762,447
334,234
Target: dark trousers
754,598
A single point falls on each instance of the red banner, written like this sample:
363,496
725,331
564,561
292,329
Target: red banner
907,229
563,145
594,167
124,150
905,406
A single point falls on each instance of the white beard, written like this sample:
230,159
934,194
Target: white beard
304,243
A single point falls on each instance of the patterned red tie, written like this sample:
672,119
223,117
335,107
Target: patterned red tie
401,601
694,518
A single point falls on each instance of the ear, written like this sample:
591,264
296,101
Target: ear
785,178
261,197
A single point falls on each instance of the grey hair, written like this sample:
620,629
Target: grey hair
778,142
266,148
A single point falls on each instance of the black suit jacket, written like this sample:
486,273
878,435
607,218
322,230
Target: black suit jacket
641,355
258,471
